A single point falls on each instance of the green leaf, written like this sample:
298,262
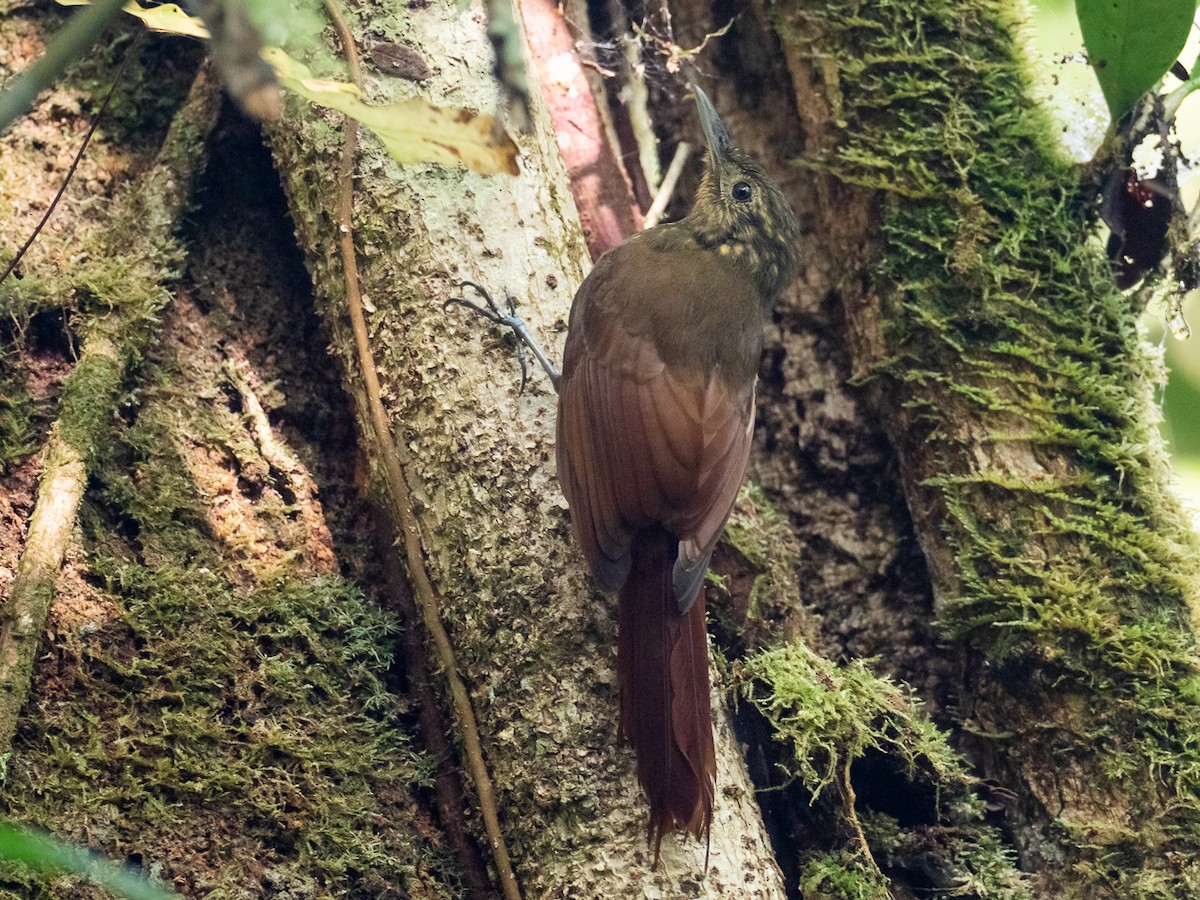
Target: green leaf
167,17
1132,43
45,854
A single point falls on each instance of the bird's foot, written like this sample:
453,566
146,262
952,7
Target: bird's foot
490,311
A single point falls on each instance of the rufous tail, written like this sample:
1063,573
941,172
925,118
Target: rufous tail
662,671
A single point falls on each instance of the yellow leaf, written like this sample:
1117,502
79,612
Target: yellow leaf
412,130
168,18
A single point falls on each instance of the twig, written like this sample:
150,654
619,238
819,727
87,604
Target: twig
13,263
115,337
397,487
451,805
68,45
637,98
852,815
1175,99
672,53
667,188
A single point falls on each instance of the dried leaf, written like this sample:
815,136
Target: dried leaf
398,59
412,130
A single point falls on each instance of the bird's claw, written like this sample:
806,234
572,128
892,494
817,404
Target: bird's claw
492,313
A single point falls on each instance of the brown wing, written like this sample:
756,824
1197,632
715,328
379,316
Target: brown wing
641,443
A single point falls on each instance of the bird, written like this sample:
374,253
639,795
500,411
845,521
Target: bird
656,407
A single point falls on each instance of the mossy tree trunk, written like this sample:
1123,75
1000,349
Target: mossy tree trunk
950,255
979,319
535,641
956,424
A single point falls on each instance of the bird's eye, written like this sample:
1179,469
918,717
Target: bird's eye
741,192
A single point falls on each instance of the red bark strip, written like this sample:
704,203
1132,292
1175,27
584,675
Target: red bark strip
598,182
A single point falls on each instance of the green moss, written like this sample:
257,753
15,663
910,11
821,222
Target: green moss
764,538
21,299
89,402
17,432
148,94
828,717
1074,565
225,721
255,719
137,116
841,876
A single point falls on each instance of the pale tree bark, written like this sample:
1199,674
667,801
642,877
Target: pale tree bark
955,425
534,639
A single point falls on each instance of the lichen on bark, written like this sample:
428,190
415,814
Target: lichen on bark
534,641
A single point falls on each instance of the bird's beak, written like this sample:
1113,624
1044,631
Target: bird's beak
714,132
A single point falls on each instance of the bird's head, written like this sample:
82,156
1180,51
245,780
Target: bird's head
740,211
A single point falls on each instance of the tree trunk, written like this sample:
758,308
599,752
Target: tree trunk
534,641
1009,376
956,475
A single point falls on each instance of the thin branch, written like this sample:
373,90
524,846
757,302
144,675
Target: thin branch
397,487
1175,99
852,816
451,803
87,138
636,97
667,188
68,46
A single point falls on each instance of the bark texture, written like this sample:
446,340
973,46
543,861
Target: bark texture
535,641
958,470
114,339
1012,382
209,694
